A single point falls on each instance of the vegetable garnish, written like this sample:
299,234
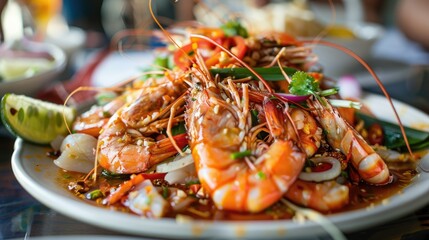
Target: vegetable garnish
303,84
94,194
393,139
234,28
237,155
269,74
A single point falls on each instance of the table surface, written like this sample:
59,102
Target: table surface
22,217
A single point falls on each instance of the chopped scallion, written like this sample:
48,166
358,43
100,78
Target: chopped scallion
94,194
237,155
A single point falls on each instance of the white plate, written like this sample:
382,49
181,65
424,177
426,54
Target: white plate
130,63
37,174
30,85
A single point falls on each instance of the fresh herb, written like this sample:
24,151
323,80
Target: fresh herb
237,155
303,84
234,28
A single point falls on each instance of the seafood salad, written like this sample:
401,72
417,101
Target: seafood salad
240,127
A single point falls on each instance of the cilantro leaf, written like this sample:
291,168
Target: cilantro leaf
303,84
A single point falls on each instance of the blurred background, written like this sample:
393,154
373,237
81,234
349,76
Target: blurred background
391,35
372,28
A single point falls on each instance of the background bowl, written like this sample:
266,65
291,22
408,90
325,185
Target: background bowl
30,85
335,62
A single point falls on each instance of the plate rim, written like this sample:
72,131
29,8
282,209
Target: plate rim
346,222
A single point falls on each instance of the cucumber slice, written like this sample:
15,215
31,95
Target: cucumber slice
35,120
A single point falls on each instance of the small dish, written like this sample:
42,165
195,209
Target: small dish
30,84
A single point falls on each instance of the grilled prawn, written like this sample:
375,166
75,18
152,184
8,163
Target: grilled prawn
131,141
236,176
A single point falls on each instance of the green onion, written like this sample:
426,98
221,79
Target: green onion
345,103
111,175
94,194
269,74
178,129
328,92
254,114
165,192
261,175
237,155
192,182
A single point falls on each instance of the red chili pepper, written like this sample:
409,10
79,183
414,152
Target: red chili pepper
321,167
375,134
240,46
194,188
153,176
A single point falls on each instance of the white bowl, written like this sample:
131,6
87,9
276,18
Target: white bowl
335,62
30,85
71,40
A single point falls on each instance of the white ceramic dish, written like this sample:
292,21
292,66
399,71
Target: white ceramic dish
30,85
37,174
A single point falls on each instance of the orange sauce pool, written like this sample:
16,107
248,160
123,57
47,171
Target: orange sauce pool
362,196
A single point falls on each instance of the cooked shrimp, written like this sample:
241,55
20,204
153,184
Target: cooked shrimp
340,135
152,102
310,134
325,196
301,123
92,121
219,132
126,150
125,147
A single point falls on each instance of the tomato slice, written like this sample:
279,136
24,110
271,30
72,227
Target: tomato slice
238,47
282,38
183,57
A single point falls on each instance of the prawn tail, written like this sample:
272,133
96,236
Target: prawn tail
324,197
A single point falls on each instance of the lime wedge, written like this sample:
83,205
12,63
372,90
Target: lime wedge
35,120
